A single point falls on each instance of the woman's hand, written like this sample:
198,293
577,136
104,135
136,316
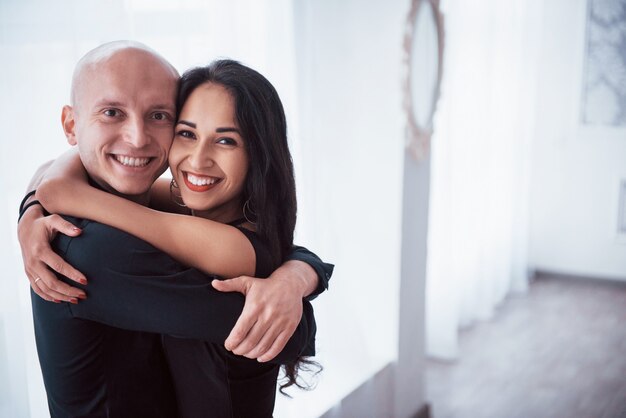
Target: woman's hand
35,232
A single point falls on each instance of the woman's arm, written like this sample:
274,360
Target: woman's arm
212,247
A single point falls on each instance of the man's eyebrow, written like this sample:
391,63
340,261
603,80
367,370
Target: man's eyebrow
164,106
109,102
117,103
184,122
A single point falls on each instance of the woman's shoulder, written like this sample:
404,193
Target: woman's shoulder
262,250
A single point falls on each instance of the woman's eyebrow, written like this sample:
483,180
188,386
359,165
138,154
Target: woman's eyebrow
222,130
184,122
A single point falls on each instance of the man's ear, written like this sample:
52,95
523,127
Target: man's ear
69,124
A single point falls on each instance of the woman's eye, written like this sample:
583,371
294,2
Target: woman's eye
227,141
185,134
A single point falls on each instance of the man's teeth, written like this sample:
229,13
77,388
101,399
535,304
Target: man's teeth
132,161
200,181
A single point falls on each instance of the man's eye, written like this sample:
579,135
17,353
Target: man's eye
111,112
160,116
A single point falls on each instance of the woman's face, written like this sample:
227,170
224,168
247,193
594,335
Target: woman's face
208,158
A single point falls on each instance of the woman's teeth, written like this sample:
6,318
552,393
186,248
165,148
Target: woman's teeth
200,181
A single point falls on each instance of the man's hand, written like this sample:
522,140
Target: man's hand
272,310
35,232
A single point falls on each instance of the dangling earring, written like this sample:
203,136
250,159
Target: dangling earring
176,197
246,208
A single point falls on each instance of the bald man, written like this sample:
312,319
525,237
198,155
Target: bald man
102,356
91,369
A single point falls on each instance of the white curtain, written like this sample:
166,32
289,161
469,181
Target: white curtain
480,165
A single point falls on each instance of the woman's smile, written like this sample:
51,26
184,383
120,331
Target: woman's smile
200,183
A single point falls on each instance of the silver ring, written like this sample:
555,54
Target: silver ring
37,279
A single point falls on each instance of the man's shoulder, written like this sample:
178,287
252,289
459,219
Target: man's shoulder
101,246
96,233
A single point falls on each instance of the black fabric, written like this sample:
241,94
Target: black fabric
135,287
207,377
324,270
93,370
29,194
25,208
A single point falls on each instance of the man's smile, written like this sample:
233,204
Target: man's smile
129,161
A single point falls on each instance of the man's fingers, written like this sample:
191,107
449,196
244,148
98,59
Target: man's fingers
252,339
238,284
264,344
240,330
56,263
277,346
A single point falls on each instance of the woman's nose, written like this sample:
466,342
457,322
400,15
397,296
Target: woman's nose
201,156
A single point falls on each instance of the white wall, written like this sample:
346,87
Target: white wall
576,168
351,133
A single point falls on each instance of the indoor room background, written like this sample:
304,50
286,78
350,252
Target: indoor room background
525,170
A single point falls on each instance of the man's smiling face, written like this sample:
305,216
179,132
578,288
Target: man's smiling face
122,119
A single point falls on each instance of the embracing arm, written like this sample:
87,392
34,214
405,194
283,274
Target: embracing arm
134,286
35,230
274,305
210,246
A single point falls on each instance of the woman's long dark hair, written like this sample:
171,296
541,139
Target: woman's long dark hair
270,186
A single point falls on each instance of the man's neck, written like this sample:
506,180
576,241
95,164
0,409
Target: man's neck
141,199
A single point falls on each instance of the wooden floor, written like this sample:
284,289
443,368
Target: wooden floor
559,351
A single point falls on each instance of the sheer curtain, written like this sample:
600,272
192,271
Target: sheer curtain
40,42
480,165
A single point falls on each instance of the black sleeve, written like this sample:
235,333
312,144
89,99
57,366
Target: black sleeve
132,285
324,270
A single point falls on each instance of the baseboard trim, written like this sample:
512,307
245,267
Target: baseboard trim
548,274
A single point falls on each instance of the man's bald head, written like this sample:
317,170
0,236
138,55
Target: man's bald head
122,115
123,51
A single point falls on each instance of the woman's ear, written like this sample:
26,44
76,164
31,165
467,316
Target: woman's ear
69,124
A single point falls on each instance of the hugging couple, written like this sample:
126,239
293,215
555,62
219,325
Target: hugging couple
168,298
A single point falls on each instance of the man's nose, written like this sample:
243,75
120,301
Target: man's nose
135,133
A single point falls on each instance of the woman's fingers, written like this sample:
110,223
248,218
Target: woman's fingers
35,232
63,226
56,263
48,290
37,289
49,284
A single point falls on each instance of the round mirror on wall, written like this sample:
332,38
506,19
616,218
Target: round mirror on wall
423,47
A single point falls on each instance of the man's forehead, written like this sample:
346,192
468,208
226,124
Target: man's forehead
125,73
141,98
114,87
